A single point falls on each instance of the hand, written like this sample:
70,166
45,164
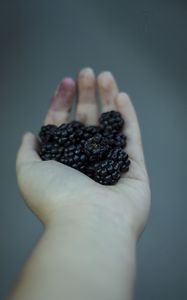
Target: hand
51,189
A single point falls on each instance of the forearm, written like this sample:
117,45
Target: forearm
86,256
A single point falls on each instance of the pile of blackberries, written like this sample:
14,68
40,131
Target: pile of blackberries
97,151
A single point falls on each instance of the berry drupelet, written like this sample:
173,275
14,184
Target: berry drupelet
97,146
97,151
111,121
47,133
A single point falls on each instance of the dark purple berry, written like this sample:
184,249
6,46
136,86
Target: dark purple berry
111,121
96,151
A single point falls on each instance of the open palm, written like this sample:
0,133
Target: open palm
50,188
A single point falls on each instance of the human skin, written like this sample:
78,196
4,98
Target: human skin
88,248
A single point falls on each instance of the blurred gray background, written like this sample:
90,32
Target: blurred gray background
144,44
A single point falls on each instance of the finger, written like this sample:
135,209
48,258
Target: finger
87,110
27,152
61,102
131,129
108,90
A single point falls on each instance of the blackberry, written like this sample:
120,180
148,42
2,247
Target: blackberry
74,157
115,140
50,151
88,132
107,173
91,130
96,147
120,158
47,133
111,121
97,151
120,140
70,133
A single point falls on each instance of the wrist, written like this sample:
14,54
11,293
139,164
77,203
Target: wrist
93,217
96,250
83,254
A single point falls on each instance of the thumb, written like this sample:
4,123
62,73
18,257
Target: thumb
27,152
